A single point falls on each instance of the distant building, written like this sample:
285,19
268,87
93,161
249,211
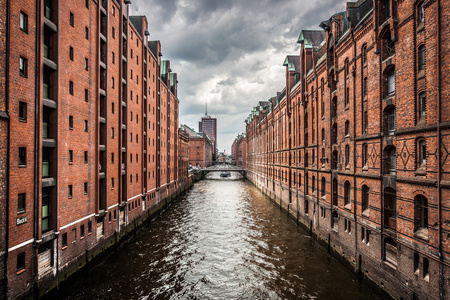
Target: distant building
239,151
208,125
200,148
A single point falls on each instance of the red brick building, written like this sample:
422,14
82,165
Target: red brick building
201,148
88,135
239,151
354,147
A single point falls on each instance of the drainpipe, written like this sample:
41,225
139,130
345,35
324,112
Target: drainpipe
355,216
36,147
441,257
8,159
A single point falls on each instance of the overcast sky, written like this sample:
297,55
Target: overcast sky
229,53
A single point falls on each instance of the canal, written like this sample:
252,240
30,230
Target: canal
222,240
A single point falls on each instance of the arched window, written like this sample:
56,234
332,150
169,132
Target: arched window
420,213
422,154
347,128
364,198
365,91
313,184
365,155
347,155
420,14
421,58
323,135
335,192
323,187
422,105
347,194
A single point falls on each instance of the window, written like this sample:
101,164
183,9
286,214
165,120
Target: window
365,91
87,6
347,155
347,194
391,83
21,202
131,179
22,156
20,262
113,11
70,122
86,64
71,53
86,33
131,52
89,226
112,82
113,58
347,126
390,120
347,97
420,14
426,269
22,111
112,107
112,132
365,121
45,221
391,160
86,95
86,126
323,187
113,33
71,19
81,231
23,66
70,156
70,191
71,87
421,57
85,188
421,212
416,263
364,55
390,208
112,182
364,198
64,240
23,21
422,158
85,157
422,105
112,157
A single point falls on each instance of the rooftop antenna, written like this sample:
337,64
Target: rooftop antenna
206,109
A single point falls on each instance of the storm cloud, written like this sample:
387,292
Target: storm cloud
229,53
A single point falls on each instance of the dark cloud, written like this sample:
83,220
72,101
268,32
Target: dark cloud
229,53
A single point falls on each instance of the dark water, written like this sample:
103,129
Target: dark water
222,240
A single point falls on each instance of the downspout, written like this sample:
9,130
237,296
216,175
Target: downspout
8,157
441,257
36,147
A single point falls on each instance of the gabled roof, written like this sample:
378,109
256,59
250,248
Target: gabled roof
293,63
311,38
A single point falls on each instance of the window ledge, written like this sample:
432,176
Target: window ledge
348,206
421,74
20,271
64,248
421,171
390,264
422,233
366,213
22,166
420,27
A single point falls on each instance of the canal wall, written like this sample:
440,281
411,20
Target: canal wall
342,241
48,287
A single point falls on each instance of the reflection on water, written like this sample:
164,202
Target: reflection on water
222,240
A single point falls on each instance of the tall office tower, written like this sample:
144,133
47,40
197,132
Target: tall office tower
208,125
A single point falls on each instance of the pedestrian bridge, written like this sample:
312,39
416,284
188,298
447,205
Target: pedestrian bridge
220,168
